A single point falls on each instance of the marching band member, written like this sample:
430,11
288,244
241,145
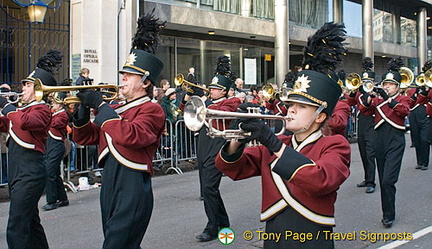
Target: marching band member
28,129
300,173
207,149
390,110
419,122
366,133
128,136
55,150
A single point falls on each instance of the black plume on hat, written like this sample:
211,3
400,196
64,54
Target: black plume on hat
342,75
290,78
50,61
393,75
395,64
427,66
367,64
147,34
324,50
221,80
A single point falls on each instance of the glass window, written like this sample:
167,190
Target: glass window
352,17
311,13
408,32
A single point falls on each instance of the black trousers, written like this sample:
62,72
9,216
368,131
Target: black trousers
26,179
210,179
366,144
389,153
55,189
419,129
126,205
291,222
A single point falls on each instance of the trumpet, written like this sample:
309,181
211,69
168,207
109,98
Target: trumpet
353,82
270,93
180,81
12,97
195,115
428,78
41,90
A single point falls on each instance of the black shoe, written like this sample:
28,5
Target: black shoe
370,189
418,167
387,223
63,203
50,206
206,236
362,184
424,167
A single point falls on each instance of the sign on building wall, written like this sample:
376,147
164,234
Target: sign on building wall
76,66
250,71
90,56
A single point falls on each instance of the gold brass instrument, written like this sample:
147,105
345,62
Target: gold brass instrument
195,115
180,81
353,81
420,80
270,93
428,78
407,77
41,90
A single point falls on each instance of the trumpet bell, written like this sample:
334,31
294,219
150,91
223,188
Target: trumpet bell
353,81
428,78
420,80
368,86
194,113
180,81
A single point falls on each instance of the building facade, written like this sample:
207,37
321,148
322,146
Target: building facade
197,31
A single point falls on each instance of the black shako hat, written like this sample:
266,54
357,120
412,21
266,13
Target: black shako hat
317,84
393,75
45,68
141,59
367,73
222,80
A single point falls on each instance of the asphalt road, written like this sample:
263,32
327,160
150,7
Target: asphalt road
178,213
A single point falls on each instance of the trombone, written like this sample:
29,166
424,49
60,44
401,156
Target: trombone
195,115
41,90
180,81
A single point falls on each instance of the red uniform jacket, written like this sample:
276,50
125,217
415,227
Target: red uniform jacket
339,118
393,113
310,188
132,136
358,101
28,126
277,107
59,121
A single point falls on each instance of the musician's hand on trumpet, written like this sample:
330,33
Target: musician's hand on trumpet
262,133
90,99
194,90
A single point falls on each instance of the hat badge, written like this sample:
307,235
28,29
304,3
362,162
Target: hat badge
215,80
365,75
130,60
301,84
390,76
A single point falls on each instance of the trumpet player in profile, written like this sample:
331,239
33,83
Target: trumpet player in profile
207,148
28,129
390,109
128,136
418,118
300,173
365,133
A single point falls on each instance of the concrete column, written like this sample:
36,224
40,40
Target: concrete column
422,38
396,27
337,11
246,7
368,49
281,40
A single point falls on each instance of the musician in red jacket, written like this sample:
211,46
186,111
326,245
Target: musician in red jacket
390,110
300,174
28,129
55,149
128,136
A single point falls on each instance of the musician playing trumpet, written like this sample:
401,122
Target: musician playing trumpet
300,173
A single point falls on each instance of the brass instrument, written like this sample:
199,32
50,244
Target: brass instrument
428,78
407,77
353,81
420,80
12,97
270,93
180,81
41,90
196,113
